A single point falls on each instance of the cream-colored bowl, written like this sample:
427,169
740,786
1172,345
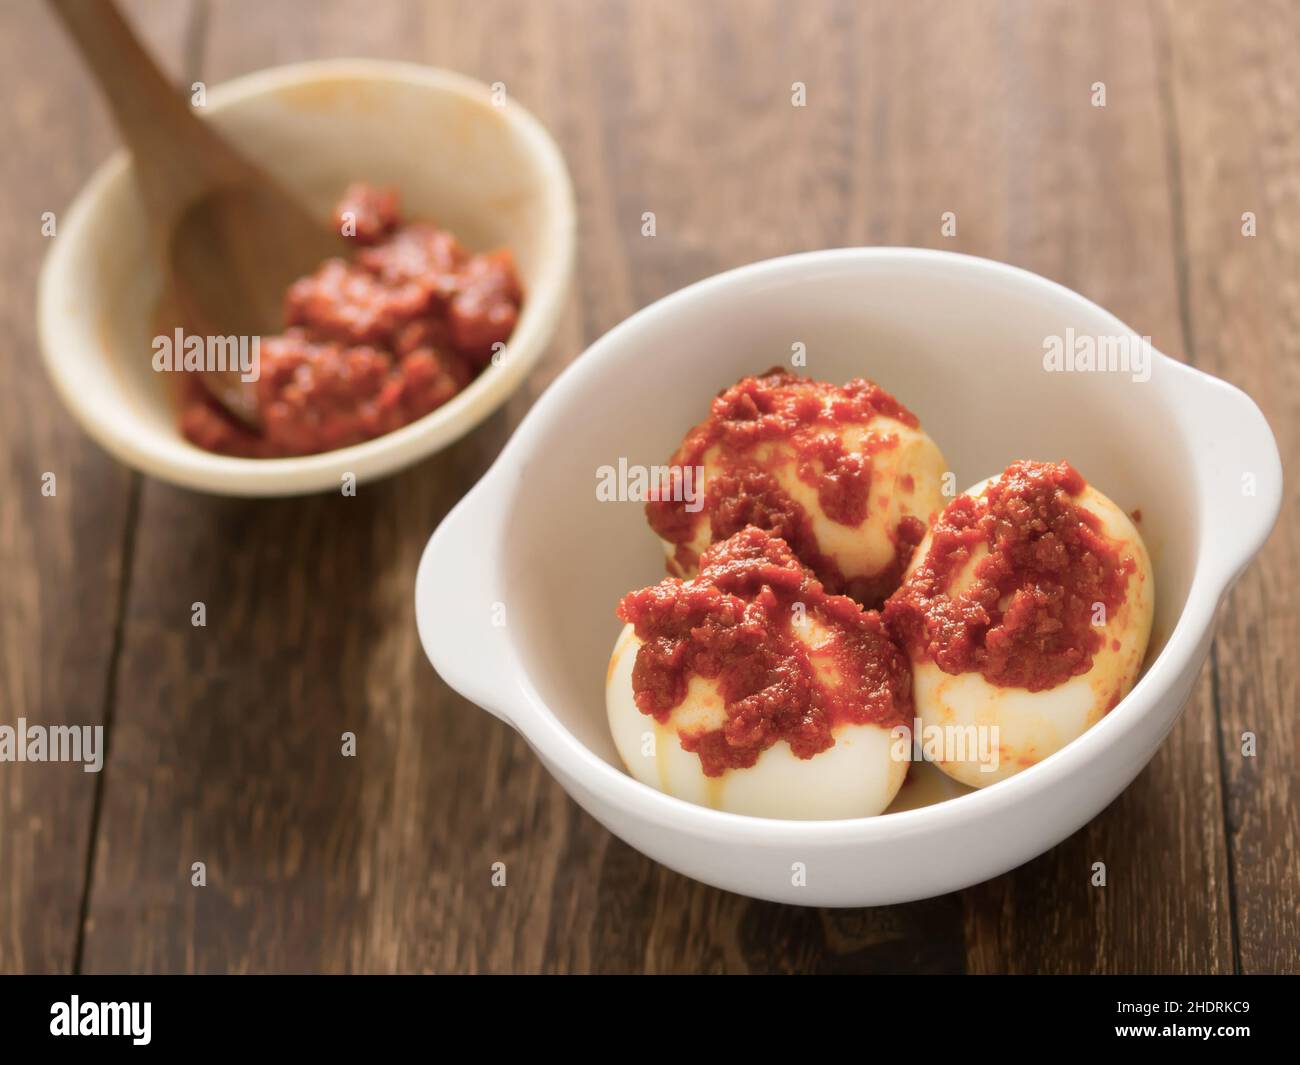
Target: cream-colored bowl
516,592
483,168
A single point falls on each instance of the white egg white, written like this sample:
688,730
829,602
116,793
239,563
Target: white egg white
1032,725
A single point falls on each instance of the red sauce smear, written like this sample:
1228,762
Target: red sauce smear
1025,621
804,415
735,624
370,344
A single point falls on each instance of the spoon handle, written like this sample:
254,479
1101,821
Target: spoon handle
180,158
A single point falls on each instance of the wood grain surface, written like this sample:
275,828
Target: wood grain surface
224,740
65,556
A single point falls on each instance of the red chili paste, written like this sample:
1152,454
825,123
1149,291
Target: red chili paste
370,344
741,490
735,624
1025,620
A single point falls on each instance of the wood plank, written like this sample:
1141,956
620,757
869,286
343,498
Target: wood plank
227,746
62,555
1234,86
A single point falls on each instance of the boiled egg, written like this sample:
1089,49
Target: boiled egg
844,474
978,729
856,775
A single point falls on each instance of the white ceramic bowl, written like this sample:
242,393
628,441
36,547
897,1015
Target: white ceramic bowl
516,590
491,174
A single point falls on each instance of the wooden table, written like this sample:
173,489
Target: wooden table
224,740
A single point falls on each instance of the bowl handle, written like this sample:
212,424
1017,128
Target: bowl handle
458,609
1239,464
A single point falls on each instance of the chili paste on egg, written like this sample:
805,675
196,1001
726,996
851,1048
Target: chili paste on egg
804,415
371,343
1025,620
735,624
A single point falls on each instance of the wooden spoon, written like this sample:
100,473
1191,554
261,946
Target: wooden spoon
230,238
